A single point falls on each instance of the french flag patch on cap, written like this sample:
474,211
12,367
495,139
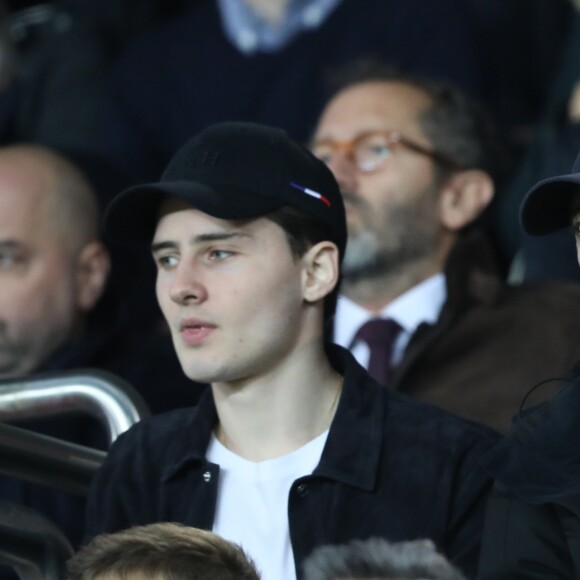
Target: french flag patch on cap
311,192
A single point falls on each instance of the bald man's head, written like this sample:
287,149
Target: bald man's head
53,268
60,189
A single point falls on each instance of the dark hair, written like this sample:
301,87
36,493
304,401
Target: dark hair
302,232
168,550
457,126
378,558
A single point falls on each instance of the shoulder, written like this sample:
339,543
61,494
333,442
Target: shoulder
400,420
427,424
548,308
538,460
149,444
556,294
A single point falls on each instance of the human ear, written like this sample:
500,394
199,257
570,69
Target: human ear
464,197
93,267
321,271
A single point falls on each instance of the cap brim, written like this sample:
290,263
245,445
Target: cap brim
546,207
132,216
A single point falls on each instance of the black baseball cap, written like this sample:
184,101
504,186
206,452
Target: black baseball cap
546,207
233,171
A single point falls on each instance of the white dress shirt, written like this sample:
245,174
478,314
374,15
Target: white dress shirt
422,303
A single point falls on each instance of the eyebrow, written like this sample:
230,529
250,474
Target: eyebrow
201,239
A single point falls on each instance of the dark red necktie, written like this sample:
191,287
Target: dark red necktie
380,335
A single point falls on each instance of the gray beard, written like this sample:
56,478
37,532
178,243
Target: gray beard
368,257
362,257
388,244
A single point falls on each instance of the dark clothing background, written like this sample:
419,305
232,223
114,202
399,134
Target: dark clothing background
521,44
54,96
62,53
492,341
391,467
532,526
186,75
552,151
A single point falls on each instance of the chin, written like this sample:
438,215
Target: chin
199,374
204,372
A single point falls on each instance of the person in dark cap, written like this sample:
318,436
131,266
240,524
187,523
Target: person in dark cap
532,525
294,446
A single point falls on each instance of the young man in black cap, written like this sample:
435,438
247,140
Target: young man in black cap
294,446
533,523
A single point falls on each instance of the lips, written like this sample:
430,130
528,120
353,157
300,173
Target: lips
196,332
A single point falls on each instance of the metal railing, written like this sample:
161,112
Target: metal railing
29,543
37,458
41,459
34,547
105,396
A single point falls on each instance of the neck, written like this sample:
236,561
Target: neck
280,412
376,293
273,11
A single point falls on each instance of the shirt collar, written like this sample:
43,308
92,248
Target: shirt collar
249,34
192,443
357,425
422,303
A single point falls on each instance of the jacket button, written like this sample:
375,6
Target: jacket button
207,476
302,490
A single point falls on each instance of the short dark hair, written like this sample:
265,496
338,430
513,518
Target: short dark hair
168,550
377,558
302,232
458,126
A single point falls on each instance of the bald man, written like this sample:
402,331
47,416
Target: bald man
53,268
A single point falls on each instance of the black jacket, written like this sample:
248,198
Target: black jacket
532,526
391,467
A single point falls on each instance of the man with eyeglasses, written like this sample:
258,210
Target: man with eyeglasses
414,162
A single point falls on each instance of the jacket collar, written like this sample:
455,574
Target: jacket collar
353,447
192,438
472,278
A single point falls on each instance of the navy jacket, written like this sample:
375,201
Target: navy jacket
532,528
391,467
186,75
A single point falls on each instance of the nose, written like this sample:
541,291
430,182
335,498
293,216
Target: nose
344,170
186,286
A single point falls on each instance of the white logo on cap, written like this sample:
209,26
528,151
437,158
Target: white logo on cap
311,193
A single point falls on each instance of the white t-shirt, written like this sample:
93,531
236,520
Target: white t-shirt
252,503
